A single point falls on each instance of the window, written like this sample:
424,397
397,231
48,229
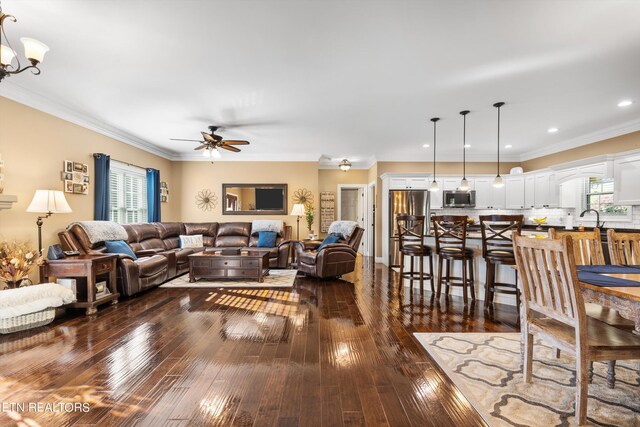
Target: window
128,193
599,196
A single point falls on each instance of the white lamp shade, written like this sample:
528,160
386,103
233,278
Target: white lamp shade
206,152
33,49
498,182
434,186
215,153
464,185
6,55
297,210
45,201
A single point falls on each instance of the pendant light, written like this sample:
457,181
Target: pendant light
434,184
498,182
464,184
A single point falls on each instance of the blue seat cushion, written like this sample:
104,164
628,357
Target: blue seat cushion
331,238
119,247
267,239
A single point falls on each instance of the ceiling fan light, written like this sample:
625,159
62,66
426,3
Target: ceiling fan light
215,153
498,182
6,55
434,186
464,185
345,165
33,49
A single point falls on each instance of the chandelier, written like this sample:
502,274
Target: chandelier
33,50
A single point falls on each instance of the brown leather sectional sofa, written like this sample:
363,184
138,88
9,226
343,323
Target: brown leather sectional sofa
160,258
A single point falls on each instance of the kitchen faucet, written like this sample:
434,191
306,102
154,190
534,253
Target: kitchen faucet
598,225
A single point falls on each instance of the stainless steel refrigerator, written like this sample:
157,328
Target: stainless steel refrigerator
410,202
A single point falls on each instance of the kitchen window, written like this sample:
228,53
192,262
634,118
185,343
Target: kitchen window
128,193
599,196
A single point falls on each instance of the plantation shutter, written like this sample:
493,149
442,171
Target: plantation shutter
128,193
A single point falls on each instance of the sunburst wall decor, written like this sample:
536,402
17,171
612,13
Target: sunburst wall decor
206,200
303,196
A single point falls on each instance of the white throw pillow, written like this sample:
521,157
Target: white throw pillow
194,241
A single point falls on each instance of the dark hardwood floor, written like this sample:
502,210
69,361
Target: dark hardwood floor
325,353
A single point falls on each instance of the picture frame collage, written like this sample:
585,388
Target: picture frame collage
75,177
164,192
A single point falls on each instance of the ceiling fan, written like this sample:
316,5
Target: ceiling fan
212,142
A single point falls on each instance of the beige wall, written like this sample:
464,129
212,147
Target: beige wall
195,176
630,141
329,179
34,146
444,168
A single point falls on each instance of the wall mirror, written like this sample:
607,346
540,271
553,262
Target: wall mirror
254,199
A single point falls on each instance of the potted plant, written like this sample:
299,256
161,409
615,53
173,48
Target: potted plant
309,217
16,261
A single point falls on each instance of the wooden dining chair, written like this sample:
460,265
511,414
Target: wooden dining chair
588,251
554,312
587,245
624,248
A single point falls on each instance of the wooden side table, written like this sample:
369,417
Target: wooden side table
87,267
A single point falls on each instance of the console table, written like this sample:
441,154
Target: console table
88,267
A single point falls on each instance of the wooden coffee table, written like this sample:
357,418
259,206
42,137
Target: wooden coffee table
211,265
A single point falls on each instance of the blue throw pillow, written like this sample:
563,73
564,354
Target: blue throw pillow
267,239
119,247
328,240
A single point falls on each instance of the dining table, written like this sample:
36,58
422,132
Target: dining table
614,287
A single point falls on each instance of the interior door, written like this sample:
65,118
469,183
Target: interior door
352,208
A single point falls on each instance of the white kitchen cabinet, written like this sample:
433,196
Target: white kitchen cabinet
487,196
418,183
626,175
409,183
529,191
545,190
451,184
514,192
435,197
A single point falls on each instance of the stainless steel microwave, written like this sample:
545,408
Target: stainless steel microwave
459,199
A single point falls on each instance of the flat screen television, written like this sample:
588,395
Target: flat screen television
269,199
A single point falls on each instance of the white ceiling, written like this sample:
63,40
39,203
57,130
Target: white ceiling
356,79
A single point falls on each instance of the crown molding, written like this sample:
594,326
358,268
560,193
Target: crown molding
363,164
246,157
42,103
471,158
597,136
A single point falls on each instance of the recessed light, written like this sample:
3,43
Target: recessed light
425,145
467,145
552,130
625,103
508,146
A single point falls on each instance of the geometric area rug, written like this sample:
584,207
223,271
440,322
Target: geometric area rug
275,279
486,369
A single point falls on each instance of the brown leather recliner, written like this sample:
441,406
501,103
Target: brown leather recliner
332,260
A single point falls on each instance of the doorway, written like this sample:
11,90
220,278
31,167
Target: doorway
352,207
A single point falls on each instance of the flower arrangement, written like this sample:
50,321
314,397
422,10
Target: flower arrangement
16,260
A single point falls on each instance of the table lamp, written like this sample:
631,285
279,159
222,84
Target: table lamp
47,202
297,210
